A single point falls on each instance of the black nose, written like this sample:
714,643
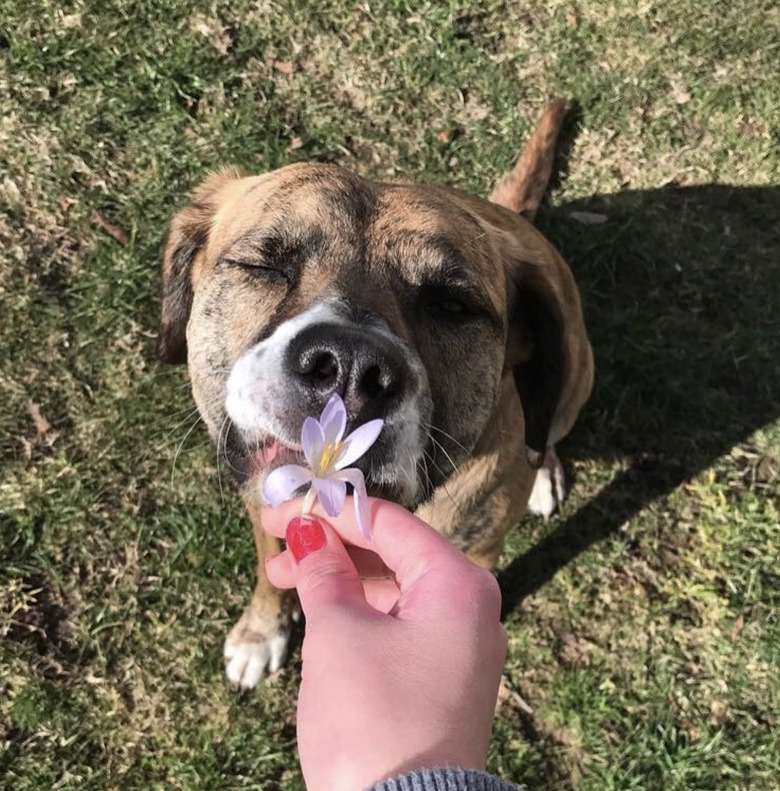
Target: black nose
365,369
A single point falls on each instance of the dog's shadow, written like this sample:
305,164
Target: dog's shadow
681,290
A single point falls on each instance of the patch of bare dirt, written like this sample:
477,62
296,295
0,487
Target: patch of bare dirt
34,611
38,242
219,35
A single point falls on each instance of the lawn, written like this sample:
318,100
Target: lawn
643,619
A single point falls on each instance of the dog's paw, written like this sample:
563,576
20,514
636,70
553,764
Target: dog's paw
250,656
549,487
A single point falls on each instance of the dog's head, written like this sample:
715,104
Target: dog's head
411,302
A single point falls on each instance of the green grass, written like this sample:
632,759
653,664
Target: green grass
643,620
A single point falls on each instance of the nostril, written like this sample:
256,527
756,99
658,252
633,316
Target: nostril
324,367
379,381
371,384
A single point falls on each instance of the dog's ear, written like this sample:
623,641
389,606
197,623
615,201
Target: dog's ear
547,350
187,236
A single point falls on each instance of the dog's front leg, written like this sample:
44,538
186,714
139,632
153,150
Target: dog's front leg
549,486
257,644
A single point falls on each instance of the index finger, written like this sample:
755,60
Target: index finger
406,544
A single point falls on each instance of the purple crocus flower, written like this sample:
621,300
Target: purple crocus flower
327,455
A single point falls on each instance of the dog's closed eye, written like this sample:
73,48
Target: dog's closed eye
455,305
256,268
451,307
274,253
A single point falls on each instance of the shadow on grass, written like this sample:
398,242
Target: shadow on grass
681,288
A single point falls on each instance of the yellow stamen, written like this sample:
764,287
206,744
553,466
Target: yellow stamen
329,455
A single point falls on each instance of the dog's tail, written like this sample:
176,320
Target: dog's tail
523,188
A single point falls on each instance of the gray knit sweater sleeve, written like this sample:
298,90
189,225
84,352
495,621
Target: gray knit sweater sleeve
445,780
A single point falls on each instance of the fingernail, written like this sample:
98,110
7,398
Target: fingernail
304,535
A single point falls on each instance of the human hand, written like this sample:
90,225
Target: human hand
403,649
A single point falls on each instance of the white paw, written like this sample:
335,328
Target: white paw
549,488
248,660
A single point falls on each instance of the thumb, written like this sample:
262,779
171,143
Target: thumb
323,573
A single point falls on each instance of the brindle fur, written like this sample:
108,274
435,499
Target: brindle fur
503,389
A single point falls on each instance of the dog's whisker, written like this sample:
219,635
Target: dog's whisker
432,459
191,412
410,471
222,455
430,426
442,473
443,484
173,436
225,423
181,445
439,446
226,461
153,450
165,442
426,475
407,472
175,413
216,399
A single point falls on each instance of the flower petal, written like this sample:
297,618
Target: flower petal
282,483
362,513
333,420
312,441
332,493
358,442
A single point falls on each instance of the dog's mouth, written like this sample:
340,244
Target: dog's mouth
250,463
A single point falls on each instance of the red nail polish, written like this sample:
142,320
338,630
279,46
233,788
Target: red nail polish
304,535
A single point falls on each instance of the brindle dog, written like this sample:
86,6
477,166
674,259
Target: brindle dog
447,315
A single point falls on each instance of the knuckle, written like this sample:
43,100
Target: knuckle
477,595
487,589
330,575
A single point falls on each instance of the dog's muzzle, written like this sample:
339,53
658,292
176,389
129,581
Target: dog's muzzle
291,375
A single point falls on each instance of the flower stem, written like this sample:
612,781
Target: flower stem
308,501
